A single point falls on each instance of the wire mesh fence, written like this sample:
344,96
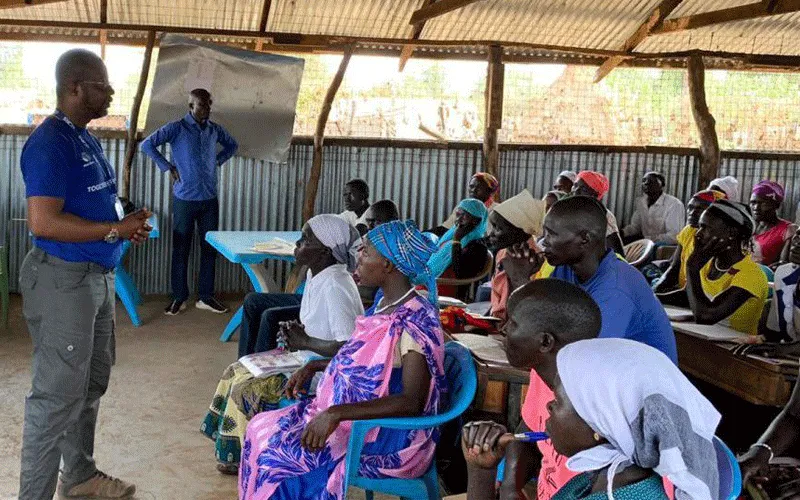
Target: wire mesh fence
444,100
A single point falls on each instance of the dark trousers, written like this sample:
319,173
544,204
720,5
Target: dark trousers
261,314
185,214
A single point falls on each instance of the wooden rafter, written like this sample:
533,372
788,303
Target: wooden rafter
516,52
262,24
319,136
103,43
704,120
133,123
656,17
437,9
103,11
741,13
408,50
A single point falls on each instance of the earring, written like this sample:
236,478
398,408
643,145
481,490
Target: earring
596,437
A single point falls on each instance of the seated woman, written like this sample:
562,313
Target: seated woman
328,312
772,234
551,198
670,288
655,425
722,280
728,185
783,320
628,420
462,253
391,367
329,248
482,187
596,185
516,221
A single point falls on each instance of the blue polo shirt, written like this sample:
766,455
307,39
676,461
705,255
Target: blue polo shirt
194,153
60,160
628,306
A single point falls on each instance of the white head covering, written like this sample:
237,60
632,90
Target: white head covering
569,174
524,212
339,235
729,185
651,415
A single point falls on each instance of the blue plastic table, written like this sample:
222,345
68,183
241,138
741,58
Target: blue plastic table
125,287
237,247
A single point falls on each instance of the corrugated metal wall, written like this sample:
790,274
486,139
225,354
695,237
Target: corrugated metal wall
425,182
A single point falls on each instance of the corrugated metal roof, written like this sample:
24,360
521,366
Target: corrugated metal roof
71,11
585,24
364,18
776,35
221,14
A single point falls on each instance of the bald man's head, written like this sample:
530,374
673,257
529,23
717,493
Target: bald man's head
75,66
82,86
545,315
574,228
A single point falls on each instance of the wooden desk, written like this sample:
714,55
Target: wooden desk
506,394
517,381
754,380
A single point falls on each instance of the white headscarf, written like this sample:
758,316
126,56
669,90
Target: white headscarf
524,212
339,235
651,415
729,185
569,174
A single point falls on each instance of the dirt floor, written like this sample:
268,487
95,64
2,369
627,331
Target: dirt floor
160,389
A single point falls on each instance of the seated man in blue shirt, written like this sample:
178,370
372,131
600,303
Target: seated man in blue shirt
194,140
575,245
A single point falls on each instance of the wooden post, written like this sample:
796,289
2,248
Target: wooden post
130,147
706,125
319,135
494,109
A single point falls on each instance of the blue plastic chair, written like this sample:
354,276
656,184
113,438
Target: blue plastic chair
730,476
462,379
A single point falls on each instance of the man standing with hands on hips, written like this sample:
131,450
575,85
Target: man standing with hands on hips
194,140
67,284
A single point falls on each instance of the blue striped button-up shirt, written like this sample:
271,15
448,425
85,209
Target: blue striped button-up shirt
194,154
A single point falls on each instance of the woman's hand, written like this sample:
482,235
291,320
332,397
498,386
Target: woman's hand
296,385
295,335
706,251
318,429
484,443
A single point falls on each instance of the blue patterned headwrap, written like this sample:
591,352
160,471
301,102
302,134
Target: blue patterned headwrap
408,249
443,257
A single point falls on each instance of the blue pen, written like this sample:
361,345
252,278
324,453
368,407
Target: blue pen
531,437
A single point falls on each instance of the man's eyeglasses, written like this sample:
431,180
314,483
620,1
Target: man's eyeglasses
100,85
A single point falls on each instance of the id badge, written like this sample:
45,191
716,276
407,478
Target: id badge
119,209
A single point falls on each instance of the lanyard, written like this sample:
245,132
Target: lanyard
92,148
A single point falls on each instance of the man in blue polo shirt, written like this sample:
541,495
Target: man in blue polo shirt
194,140
67,285
575,244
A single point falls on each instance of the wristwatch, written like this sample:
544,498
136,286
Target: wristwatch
112,235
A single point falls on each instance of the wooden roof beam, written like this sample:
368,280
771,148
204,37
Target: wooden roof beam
656,17
262,24
408,50
11,4
742,13
438,9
